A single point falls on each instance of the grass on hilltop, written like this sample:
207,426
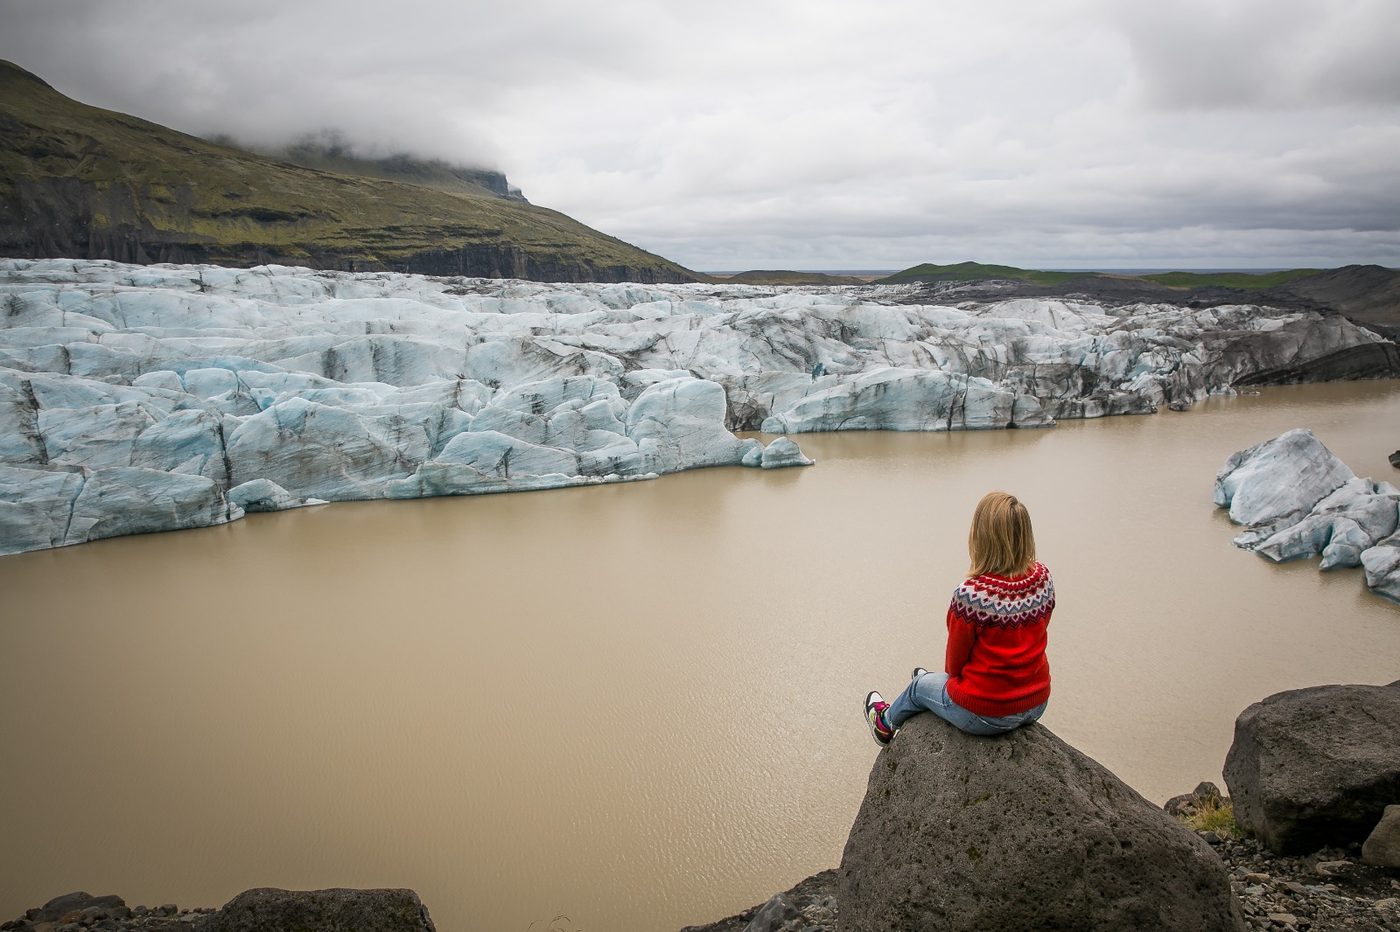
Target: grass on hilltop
978,271
1241,281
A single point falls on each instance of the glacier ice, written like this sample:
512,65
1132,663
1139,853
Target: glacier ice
1298,499
139,397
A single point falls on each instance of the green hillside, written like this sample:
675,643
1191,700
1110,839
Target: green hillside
88,183
1240,281
977,271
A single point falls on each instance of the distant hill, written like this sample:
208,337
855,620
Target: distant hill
88,183
1366,294
977,271
786,277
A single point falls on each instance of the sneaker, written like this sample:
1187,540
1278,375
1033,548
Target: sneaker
918,672
875,706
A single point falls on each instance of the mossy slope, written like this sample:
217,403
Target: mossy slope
79,181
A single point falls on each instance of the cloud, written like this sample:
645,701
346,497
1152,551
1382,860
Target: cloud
818,133
1264,53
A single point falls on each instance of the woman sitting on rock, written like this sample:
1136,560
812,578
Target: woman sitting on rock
997,677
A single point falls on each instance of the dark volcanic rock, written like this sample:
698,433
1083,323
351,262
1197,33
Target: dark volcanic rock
1323,892
263,910
1017,832
60,906
337,910
1372,361
1317,766
1367,294
812,904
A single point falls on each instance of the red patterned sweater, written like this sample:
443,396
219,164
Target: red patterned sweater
996,642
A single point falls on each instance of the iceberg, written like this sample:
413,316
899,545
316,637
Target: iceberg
1298,499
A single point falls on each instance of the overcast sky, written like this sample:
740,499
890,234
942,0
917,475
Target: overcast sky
815,134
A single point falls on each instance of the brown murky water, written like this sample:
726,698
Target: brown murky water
635,706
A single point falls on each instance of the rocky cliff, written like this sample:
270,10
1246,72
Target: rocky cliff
80,182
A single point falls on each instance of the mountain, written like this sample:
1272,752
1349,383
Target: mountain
77,181
787,277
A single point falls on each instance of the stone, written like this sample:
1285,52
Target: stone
812,903
1183,805
1020,831
336,910
771,915
1317,766
1187,804
1395,459
1208,792
61,906
1382,846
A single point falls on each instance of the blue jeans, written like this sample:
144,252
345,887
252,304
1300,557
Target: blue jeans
929,693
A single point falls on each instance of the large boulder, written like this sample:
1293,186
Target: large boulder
337,910
1382,846
1019,831
1316,767
70,903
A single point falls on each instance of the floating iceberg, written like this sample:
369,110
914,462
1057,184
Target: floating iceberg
1298,499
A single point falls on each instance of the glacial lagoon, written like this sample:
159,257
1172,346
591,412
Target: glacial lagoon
636,705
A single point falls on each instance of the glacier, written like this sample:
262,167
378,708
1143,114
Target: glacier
139,398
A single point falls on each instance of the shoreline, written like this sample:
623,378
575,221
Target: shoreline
1328,890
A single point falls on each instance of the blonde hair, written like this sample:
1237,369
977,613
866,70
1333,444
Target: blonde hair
1001,540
